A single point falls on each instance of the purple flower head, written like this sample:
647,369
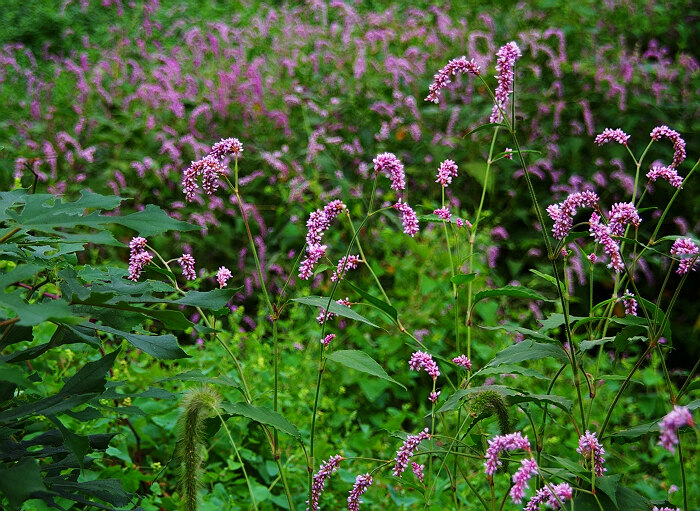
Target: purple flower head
226,146
592,451
319,480
314,253
621,214
223,275
446,172
601,234
669,174
421,360
345,264
678,143
362,482
408,218
390,165
418,470
564,212
443,77
630,304
679,416
463,361
434,396
323,314
443,213
545,496
609,135
509,153
505,62
527,469
210,169
403,455
318,223
327,339
685,246
666,509
187,264
139,257
500,443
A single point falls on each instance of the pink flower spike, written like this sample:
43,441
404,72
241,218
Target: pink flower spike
561,493
403,455
621,214
139,257
685,246
609,135
527,469
434,396
630,304
443,213
592,451
227,146
463,361
678,143
362,482
443,77
223,275
408,218
327,339
564,212
601,234
392,168
187,265
421,360
505,62
501,443
679,416
418,470
667,173
326,469
666,509
345,264
446,172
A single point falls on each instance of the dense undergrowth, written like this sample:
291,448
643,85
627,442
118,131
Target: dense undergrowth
177,390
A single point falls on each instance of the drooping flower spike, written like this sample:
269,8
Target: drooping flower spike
362,482
527,469
408,218
501,443
443,77
139,257
447,171
679,416
685,246
592,451
422,360
564,212
678,143
561,493
187,265
390,165
403,455
610,135
666,173
326,469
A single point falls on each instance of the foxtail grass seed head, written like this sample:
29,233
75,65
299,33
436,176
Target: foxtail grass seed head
685,247
187,264
318,484
679,416
403,455
443,77
589,447
223,276
506,57
362,482
610,135
501,443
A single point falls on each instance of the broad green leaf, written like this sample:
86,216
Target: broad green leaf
512,291
527,350
77,444
163,347
15,375
477,170
152,221
546,277
571,466
587,345
51,405
18,482
627,500
31,314
558,401
262,415
512,327
335,308
214,299
484,127
379,304
464,278
91,377
361,361
109,490
635,433
608,485
509,368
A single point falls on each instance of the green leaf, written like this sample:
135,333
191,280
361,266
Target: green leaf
464,278
512,291
478,171
15,375
635,433
587,345
608,485
18,482
264,416
197,376
508,368
546,277
214,299
91,377
152,221
379,304
335,308
569,465
361,361
512,327
543,399
527,350
163,347
627,500
483,127
77,444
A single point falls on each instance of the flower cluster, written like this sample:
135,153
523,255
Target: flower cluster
209,169
463,361
225,147
408,218
679,416
668,173
552,498
621,214
446,172
344,264
422,360
527,469
630,303
509,153
418,470
564,212
678,143
392,168
319,480
223,275
406,451
685,246
327,339
591,450
433,397
443,213
362,482
443,77
609,135
505,62
326,315
139,257
601,234
500,443
187,264
665,509
318,223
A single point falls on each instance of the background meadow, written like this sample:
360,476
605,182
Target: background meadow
106,104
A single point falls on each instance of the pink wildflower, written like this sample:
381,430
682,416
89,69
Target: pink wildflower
418,470
362,482
139,257
564,212
561,493
500,443
505,62
679,416
318,223
406,451
392,168
463,361
443,77
621,214
323,314
527,469
227,146
601,234
668,173
422,360
678,143
666,509
408,218
609,135
685,246
187,264
223,275
210,169
443,213
434,396
509,153
345,264
327,339
446,172
592,258
592,451
319,480
630,303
